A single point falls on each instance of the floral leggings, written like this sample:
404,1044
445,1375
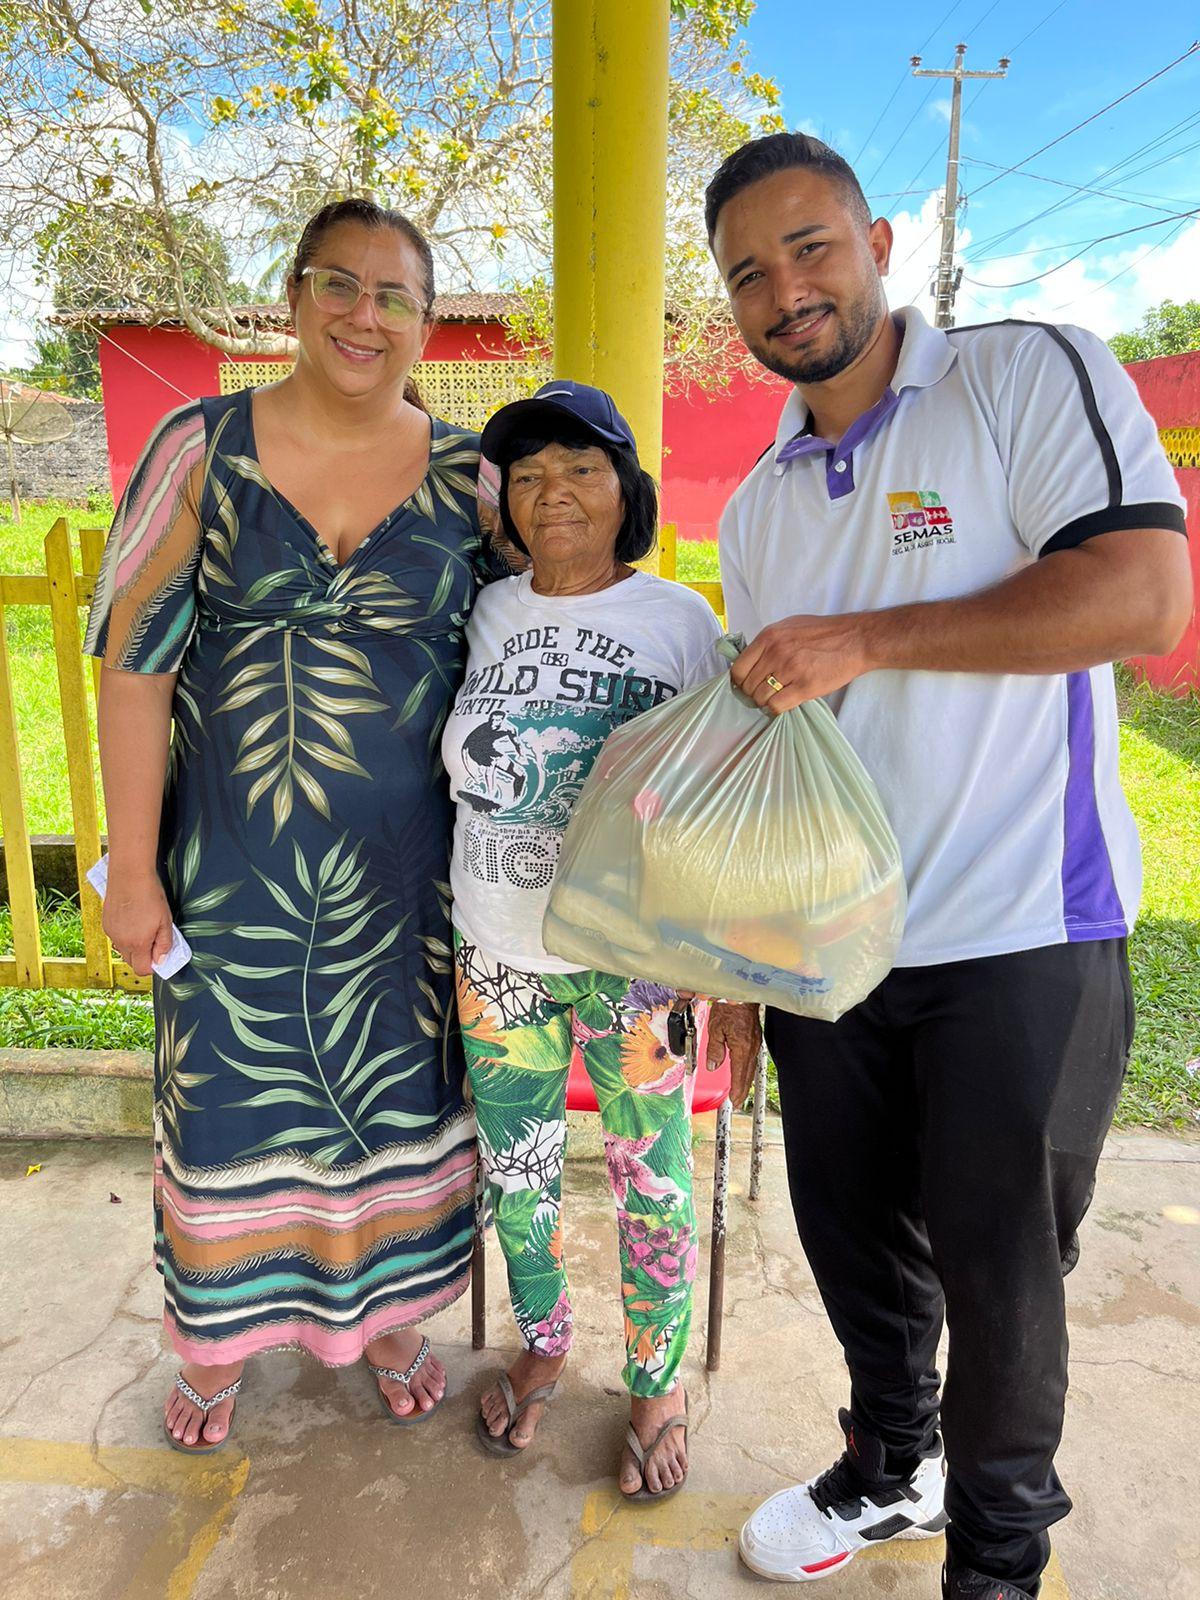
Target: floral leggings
521,1031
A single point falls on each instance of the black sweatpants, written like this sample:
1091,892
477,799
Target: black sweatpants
942,1141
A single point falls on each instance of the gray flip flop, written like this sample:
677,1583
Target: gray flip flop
642,1454
416,1415
497,1444
201,1447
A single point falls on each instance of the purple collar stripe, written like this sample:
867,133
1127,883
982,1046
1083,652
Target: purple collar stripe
1092,908
839,458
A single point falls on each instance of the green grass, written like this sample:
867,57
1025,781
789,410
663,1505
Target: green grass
31,652
61,1019
1160,768
696,561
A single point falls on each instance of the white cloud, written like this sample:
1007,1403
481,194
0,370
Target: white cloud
1143,275
24,301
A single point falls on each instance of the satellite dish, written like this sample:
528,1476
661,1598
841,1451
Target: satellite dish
31,417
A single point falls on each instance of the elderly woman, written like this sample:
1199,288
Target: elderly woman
280,619
558,658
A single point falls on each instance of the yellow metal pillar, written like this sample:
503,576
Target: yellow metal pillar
610,165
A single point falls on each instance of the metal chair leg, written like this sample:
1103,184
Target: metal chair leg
758,1126
479,1267
716,1266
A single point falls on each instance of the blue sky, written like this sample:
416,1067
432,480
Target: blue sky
838,66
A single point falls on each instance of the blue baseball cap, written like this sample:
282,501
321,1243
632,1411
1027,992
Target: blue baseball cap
560,398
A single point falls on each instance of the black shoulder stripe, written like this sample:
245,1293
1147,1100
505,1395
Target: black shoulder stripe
1108,454
1150,514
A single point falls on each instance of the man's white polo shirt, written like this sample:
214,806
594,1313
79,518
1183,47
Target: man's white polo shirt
993,446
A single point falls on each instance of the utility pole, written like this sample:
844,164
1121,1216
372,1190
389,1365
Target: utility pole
946,285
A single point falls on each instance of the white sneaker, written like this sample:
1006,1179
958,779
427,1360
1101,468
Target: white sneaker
808,1532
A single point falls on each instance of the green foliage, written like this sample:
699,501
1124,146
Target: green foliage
66,362
153,148
1166,330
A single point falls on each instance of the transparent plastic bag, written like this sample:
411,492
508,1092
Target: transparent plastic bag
720,849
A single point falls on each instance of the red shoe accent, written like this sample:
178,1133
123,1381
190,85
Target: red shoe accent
832,1561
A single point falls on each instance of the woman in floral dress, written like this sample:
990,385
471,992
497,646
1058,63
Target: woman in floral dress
557,658
280,615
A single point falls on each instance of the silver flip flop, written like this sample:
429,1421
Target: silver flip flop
416,1414
201,1448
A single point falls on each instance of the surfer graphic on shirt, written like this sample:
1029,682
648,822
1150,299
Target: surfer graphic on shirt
494,761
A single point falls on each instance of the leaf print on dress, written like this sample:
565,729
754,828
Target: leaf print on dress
326,913
300,727
174,1080
446,478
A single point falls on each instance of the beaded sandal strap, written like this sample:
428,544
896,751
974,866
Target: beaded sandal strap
409,1373
198,1400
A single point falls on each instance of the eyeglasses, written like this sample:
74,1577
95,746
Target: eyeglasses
339,293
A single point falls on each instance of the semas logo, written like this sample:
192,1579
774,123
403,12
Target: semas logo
919,519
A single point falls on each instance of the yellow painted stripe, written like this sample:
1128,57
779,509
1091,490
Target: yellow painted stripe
117,1467
668,536
176,1556
603,1568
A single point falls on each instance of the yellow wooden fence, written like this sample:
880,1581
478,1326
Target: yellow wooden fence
64,590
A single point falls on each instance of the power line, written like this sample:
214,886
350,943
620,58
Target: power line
900,135
1090,245
1062,205
1136,262
974,98
903,79
971,31
1080,188
1035,29
1137,88
919,248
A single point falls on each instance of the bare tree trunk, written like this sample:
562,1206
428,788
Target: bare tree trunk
14,491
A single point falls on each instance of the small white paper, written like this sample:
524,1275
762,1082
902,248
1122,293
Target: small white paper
180,952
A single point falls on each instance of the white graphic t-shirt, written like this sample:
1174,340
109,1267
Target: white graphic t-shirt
548,679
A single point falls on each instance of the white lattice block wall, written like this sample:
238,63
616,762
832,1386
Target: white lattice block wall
463,392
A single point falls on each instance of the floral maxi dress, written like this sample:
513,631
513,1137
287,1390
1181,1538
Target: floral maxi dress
314,1156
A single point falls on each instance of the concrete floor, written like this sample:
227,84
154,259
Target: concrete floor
318,1496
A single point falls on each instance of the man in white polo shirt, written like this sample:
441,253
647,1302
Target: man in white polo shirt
952,535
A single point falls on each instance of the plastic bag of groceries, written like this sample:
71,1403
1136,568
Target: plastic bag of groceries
717,848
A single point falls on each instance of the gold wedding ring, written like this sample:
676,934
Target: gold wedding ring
773,683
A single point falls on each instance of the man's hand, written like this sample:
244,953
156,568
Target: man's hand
738,1029
809,656
1124,593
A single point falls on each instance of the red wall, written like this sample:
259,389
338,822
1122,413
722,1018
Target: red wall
1170,391
710,441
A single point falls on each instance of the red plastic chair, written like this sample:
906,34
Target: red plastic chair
710,1093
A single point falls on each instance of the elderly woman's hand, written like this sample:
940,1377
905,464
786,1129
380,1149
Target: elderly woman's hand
738,1029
